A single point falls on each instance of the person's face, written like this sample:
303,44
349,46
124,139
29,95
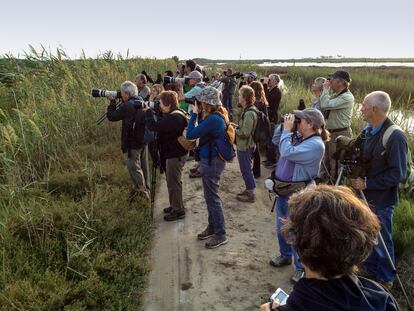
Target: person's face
271,82
164,108
336,84
187,69
367,110
124,96
242,100
192,82
316,87
154,92
138,81
304,126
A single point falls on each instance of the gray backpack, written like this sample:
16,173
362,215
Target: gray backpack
409,179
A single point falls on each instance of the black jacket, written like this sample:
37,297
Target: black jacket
273,98
348,293
169,128
129,113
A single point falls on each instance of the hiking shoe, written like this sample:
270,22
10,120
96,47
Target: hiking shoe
213,242
256,175
168,210
297,276
194,170
247,196
197,174
205,234
280,261
174,216
242,192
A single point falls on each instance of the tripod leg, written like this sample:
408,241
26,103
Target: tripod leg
338,180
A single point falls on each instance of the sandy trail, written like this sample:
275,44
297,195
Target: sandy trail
187,276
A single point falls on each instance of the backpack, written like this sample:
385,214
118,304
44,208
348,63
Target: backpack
262,132
224,144
409,179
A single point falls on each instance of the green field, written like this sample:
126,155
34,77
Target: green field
68,239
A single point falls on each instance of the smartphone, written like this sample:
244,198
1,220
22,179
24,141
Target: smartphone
281,295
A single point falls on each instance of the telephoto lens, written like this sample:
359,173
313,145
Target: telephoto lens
105,93
168,79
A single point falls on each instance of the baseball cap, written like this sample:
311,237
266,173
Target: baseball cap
311,115
341,74
195,75
251,74
209,95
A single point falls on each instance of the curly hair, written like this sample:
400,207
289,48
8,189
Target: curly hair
259,92
332,230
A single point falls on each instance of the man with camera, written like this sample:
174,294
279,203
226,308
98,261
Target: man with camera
195,80
143,90
131,113
385,167
338,112
229,88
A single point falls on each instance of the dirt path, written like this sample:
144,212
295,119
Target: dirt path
187,276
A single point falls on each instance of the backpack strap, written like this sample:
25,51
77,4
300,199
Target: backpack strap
388,132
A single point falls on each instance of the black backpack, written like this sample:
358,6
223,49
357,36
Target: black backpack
262,131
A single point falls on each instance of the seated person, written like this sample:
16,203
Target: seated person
333,232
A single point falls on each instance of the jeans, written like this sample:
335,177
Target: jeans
246,168
210,175
227,103
270,147
377,263
286,250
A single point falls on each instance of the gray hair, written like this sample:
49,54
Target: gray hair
379,99
319,81
274,77
129,88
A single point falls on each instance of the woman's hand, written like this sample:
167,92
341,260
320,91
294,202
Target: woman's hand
268,306
195,109
289,122
327,85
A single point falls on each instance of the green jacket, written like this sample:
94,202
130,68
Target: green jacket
339,106
244,133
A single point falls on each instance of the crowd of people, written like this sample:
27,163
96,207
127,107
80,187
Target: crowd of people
325,230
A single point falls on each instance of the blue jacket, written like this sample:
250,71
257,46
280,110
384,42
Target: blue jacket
386,167
212,126
300,160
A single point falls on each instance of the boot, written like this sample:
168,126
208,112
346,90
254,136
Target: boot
248,196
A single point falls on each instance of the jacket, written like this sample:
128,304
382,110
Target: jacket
339,109
247,125
130,112
169,128
273,97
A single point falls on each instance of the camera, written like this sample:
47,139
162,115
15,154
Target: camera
154,105
190,100
281,295
237,75
105,93
282,119
348,152
168,79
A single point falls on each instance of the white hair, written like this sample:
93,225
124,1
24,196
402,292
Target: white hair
129,88
280,83
379,99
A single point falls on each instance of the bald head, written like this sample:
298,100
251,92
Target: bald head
379,99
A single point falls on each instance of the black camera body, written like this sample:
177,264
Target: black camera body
349,153
105,93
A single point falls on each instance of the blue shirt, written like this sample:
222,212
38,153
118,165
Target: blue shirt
300,160
211,126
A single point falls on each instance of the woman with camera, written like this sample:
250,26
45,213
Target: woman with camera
169,128
212,125
262,105
333,233
301,146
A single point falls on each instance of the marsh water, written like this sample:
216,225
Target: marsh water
339,64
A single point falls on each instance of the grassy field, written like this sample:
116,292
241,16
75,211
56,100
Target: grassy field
68,239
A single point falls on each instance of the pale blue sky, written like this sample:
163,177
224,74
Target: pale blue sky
211,28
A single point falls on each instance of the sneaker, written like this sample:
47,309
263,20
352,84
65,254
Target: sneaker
280,261
205,234
194,170
242,192
297,276
247,196
256,175
213,242
167,210
174,216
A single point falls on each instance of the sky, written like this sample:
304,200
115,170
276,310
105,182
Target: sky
215,29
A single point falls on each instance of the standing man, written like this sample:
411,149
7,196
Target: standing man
338,113
273,97
387,167
131,114
143,90
228,91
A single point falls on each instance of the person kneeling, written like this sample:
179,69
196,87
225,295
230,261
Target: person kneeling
333,232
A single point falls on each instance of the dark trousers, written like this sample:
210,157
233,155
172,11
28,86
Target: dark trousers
256,162
270,147
227,102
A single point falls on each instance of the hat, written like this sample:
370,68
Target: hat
195,75
341,74
209,95
311,115
251,74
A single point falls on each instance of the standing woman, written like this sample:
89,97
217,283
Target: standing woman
262,105
302,147
212,125
169,128
245,143
317,88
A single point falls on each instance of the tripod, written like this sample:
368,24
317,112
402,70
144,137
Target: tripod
381,239
103,116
